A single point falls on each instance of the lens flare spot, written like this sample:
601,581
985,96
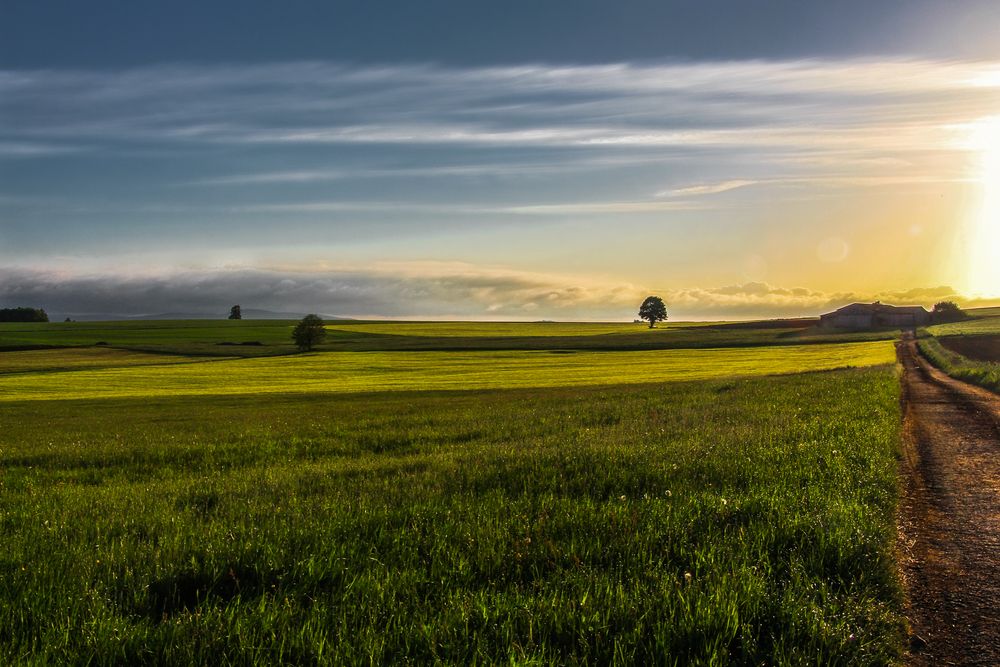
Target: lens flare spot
833,249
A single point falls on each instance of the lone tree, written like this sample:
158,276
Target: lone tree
947,311
653,310
234,313
309,332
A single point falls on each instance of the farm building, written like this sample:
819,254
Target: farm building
875,315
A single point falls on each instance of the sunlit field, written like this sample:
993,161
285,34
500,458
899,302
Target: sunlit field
352,372
983,373
978,325
699,505
984,312
980,334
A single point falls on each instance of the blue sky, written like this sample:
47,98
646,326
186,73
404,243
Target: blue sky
498,161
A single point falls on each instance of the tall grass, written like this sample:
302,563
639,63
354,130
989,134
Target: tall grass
731,521
983,373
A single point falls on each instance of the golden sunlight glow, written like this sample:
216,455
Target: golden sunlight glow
984,256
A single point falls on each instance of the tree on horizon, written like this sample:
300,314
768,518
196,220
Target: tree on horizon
653,310
947,311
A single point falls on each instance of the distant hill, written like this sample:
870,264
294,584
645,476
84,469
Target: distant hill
248,314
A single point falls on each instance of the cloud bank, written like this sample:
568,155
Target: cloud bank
431,291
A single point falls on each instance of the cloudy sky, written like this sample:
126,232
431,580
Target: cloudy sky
516,160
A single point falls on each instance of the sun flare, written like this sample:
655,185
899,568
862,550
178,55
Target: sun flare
984,257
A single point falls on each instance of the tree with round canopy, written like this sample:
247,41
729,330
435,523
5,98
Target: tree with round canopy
653,310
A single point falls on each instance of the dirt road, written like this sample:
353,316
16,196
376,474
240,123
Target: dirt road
950,516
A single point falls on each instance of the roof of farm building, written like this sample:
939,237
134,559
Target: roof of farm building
877,307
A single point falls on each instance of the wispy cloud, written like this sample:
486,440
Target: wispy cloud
21,149
756,123
348,154
587,208
805,103
553,165
818,115
705,188
362,206
834,180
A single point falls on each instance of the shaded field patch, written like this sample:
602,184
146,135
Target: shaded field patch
978,348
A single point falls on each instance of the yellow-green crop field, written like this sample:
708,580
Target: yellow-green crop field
352,372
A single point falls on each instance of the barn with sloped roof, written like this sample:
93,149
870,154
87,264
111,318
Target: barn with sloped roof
876,316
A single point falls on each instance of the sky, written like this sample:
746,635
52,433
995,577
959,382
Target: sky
506,161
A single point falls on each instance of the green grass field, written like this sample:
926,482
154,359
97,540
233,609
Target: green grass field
986,374
674,506
509,329
272,337
77,358
973,326
982,322
181,336
984,312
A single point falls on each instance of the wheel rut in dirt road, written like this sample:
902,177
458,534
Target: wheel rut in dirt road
949,519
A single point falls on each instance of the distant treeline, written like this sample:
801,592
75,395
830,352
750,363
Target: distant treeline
23,315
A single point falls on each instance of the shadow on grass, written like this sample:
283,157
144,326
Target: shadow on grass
187,590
